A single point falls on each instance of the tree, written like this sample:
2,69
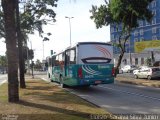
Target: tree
3,62
125,12
38,65
20,47
11,43
34,15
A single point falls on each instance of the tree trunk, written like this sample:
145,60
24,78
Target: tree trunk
119,63
20,48
11,43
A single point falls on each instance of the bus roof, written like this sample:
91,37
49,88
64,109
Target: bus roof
83,43
102,43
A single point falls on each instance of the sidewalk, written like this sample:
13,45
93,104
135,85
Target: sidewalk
143,82
43,100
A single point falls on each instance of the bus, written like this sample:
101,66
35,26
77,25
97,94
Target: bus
85,64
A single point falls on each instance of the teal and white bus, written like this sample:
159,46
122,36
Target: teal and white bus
85,64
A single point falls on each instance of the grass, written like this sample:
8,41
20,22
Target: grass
44,101
144,82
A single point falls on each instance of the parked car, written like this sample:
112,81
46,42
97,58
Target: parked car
148,72
139,68
128,68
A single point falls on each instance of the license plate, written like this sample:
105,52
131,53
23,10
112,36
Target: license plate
98,82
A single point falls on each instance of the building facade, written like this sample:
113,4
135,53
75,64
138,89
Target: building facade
145,32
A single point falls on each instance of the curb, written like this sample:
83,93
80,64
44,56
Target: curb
133,83
82,98
73,93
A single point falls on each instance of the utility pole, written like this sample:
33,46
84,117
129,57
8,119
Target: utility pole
69,18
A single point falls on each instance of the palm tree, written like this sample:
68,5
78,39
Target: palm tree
11,43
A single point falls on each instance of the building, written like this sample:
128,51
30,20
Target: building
145,32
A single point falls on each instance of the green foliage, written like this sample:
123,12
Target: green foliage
33,15
36,14
38,65
30,54
148,61
129,12
125,12
3,61
101,15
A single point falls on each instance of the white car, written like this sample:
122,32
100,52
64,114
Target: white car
148,72
140,68
127,68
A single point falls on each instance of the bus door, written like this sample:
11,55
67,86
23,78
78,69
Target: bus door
70,60
66,63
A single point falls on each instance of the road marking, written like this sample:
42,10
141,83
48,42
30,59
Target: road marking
3,82
131,93
45,79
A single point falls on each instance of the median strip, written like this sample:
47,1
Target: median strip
42,100
143,82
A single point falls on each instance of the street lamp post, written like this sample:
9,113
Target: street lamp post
69,18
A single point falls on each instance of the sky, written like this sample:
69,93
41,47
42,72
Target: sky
82,28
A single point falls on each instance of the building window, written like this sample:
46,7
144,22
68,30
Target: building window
135,39
116,29
140,23
153,4
142,61
154,21
117,38
136,61
120,28
154,12
154,30
112,29
141,32
147,23
142,39
154,37
112,37
135,33
125,61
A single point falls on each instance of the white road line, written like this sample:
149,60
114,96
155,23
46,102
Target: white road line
44,79
4,81
141,95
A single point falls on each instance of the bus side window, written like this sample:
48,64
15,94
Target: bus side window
56,61
67,58
72,56
53,61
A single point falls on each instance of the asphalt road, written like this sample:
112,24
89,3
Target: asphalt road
121,98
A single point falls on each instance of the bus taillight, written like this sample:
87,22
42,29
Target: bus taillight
80,74
113,71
